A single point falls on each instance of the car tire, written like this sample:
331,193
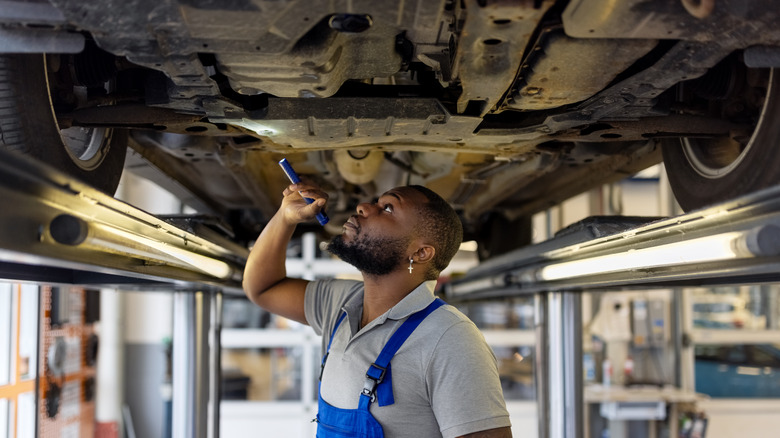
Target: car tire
28,125
707,171
499,235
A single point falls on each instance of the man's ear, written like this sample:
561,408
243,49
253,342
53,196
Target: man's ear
424,254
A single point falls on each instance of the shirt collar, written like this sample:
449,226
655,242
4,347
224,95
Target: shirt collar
416,300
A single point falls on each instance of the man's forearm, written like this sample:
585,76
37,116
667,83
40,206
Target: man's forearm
265,266
265,275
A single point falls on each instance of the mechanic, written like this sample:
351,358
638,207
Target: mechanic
444,378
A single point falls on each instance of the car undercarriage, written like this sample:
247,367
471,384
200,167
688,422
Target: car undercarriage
503,107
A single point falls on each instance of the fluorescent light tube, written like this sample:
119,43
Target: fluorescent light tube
762,241
71,230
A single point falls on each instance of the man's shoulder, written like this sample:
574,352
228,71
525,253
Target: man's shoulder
451,314
448,322
325,298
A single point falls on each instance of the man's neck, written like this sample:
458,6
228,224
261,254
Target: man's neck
383,292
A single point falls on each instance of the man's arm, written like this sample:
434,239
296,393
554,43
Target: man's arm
501,432
265,276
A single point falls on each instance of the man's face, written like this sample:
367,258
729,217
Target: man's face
377,239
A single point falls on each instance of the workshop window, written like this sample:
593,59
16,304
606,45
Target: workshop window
6,332
18,355
25,415
5,424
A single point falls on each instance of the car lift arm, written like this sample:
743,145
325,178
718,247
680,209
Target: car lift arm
736,242
58,230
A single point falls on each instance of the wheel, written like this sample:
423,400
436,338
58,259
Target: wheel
499,235
28,125
707,171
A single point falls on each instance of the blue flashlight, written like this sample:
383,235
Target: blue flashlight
322,218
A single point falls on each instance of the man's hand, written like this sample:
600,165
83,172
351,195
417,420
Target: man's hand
295,209
501,432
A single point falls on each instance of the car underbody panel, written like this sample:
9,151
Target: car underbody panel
501,106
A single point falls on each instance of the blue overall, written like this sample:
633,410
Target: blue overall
333,422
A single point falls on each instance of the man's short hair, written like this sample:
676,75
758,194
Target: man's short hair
440,223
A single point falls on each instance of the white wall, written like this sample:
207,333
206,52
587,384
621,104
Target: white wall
148,315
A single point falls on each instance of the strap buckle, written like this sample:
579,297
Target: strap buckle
374,377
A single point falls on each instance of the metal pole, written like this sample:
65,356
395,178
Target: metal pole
556,375
190,365
564,391
201,359
183,345
572,356
215,359
541,371
771,303
677,334
686,366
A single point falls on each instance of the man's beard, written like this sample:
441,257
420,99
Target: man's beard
373,256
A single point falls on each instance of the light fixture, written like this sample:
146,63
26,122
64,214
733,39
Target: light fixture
177,256
760,241
70,230
469,245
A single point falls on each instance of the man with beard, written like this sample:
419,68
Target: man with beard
444,380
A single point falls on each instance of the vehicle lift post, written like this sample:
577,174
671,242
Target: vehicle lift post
558,364
196,363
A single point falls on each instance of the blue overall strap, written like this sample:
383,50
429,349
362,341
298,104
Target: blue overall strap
333,333
379,371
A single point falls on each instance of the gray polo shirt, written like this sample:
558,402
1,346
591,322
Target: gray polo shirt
444,377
